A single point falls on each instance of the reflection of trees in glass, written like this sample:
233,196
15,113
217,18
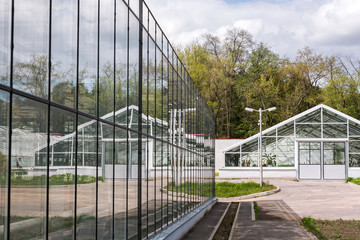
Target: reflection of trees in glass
3,163
31,76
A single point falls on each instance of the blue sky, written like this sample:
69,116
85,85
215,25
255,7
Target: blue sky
331,27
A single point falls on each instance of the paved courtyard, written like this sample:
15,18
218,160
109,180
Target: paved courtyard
318,199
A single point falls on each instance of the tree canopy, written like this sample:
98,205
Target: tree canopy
236,72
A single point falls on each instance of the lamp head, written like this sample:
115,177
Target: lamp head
249,109
271,109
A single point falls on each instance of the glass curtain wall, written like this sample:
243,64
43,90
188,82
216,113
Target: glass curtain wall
278,144
103,134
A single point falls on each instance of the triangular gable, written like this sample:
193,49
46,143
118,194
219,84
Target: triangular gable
292,119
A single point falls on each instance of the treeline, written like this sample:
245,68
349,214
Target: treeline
236,72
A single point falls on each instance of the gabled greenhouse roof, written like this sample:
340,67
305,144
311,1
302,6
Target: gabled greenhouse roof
299,116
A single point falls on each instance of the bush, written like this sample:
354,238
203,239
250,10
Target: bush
349,179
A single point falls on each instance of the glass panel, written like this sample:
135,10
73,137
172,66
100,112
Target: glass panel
232,160
121,62
269,144
251,146
63,52
354,160
133,66
308,131
309,153
354,146
285,159
106,57
334,153
122,171
249,160
335,130
236,149
86,178
5,7
88,56
330,117
29,127
286,130
134,5
313,117
62,184
31,38
269,159
354,129
286,144
4,162
105,181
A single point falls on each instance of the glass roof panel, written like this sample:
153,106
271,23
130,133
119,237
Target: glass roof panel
271,133
236,149
251,146
308,131
354,129
332,117
313,117
335,130
286,130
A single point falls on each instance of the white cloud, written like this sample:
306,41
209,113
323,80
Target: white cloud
328,26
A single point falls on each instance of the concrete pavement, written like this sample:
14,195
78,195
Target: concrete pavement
317,199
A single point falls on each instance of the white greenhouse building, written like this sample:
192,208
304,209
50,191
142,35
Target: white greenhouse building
320,144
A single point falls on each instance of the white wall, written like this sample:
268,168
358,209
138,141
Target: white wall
220,146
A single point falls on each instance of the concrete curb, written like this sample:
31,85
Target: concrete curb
181,226
254,195
219,223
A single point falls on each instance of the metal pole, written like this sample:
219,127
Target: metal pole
260,149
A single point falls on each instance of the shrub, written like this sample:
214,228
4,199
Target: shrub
349,179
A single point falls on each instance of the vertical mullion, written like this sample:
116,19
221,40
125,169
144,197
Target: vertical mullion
48,126
147,127
97,125
77,108
114,121
155,127
168,135
128,161
10,119
162,131
140,120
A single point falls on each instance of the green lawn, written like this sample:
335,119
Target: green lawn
59,179
222,189
227,189
332,229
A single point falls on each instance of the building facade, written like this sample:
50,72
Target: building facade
100,123
320,143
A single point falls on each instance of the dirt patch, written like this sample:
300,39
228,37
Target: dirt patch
333,229
224,229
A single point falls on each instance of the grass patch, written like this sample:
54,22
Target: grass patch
227,189
332,229
353,180
256,210
59,179
192,188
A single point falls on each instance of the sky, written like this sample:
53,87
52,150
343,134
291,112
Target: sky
330,27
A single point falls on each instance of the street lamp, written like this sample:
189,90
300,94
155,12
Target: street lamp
260,111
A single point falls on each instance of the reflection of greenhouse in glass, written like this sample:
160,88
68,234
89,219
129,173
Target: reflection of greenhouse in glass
97,117
321,143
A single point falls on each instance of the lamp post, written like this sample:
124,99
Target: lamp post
260,111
